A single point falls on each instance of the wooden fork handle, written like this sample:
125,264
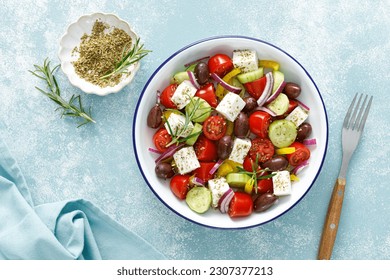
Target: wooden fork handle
332,219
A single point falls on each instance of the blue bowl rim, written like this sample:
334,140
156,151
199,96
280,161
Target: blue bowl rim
219,38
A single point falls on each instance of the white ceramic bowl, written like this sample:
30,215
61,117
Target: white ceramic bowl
294,72
72,38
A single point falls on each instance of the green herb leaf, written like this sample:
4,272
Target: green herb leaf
69,108
129,57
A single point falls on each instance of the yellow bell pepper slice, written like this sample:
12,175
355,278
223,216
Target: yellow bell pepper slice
219,92
224,169
285,151
294,178
249,186
229,127
269,64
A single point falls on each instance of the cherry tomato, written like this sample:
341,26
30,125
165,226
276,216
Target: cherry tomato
301,154
262,149
249,163
179,185
220,64
256,88
203,172
214,127
207,92
205,149
166,95
241,205
265,185
161,138
259,122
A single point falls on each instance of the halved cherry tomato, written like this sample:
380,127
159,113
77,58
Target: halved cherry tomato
265,185
161,138
214,127
259,122
203,172
241,205
262,148
205,149
249,163
166,95
256,88
301,154
220,64
207,92
179,185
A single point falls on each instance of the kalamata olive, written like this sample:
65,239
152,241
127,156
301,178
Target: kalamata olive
264,201
202,73
250,104
292,90
276,163
241,125
164,170
224,147
304,131
154,117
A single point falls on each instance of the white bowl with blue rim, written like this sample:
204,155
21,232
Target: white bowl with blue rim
294,72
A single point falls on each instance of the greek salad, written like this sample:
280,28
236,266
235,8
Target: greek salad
231,133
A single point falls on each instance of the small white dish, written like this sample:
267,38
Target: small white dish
294,72
72,39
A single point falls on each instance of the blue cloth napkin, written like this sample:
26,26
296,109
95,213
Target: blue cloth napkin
74,229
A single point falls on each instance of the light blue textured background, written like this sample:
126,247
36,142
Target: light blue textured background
345,47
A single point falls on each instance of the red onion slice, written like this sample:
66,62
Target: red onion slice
216,166
276,93
196,61
309,142
193,80
265,109
169,152
154,151
197,181
267,89
225,85
304,106
224,201
299,168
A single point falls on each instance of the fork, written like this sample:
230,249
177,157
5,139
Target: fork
353,126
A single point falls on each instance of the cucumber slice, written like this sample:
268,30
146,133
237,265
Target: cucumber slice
250,76
280,105
199,109
179,77
235,82
199,199
237,180
282,133
196,132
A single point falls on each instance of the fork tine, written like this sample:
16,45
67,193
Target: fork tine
363,121
358,118
346,119
354,112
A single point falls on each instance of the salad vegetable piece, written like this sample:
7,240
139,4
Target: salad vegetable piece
232,134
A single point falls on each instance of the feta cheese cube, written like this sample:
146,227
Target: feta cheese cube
282,183
246,60
183,94
217,187
297,116
186,160
240,149
230,106
176,125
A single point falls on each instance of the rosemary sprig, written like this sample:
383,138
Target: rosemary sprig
128,57
71,108
189,116
255,172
